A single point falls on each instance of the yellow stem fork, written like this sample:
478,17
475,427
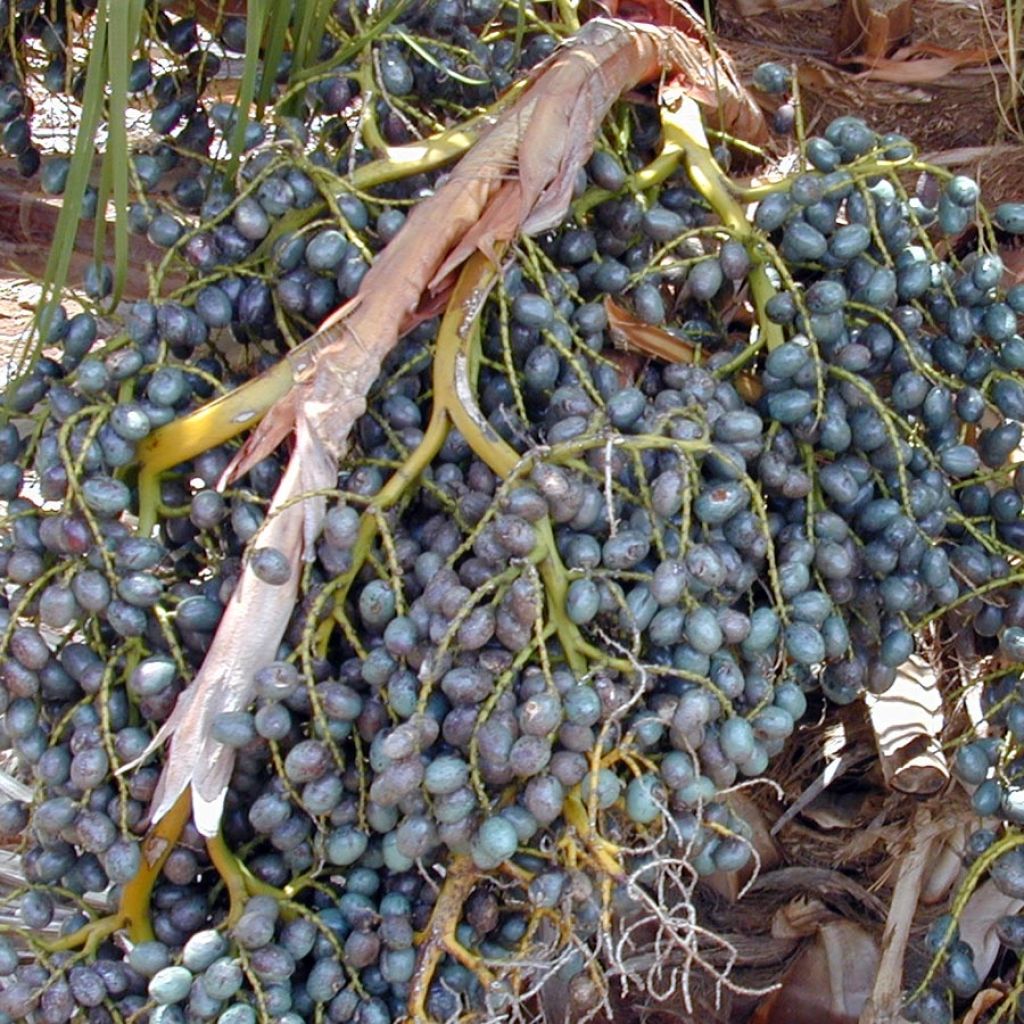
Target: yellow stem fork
684,129
438,938
133,911
219,421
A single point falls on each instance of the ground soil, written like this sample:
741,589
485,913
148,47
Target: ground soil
18,298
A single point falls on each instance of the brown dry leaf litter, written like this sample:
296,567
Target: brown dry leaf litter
944,84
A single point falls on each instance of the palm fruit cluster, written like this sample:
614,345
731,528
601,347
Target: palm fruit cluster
523,681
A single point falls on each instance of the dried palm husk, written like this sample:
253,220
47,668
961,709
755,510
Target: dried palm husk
874,28
840,808
833,791
829,982
985,1000
947,866
797,31
907,721
886,995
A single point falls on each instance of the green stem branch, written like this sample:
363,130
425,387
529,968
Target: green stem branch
683,126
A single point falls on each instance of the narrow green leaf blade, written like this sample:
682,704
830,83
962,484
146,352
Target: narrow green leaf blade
255,27
78,178
123,34
277,36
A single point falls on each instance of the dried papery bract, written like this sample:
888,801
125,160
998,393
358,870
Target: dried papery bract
518,178
633,335
886,997
253,624
981,914
829,981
